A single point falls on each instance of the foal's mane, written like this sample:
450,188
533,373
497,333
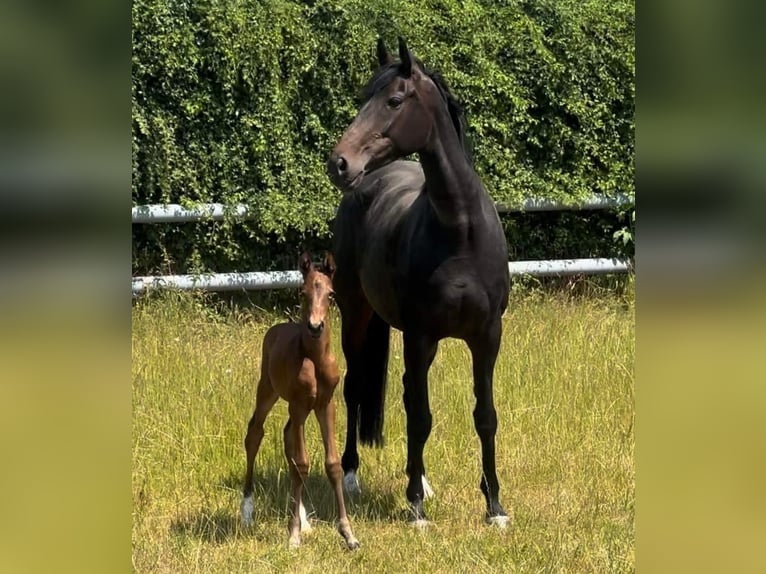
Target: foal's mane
385,75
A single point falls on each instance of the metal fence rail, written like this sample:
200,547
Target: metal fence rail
259,280
174,213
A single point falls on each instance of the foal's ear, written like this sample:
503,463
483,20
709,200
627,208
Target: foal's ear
329,264
404,55
384,56
305,263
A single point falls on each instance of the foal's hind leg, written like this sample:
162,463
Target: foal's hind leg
484,349
326,418
298,462
265,398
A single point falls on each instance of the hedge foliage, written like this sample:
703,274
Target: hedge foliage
241,101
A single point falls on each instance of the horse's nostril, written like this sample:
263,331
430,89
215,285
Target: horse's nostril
341,164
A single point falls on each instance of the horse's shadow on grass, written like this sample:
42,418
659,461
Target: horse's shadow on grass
272,503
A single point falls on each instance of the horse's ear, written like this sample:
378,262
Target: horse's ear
305,263
404,55
384,56
329,264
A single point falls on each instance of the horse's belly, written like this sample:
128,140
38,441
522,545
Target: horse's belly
380,292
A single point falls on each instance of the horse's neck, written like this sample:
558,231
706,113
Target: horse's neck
451,182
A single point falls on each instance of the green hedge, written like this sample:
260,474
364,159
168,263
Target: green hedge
241,101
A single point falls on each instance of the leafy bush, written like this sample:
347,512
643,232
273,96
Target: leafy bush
237,101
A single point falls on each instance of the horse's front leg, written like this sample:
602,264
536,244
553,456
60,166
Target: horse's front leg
484,349
355,317
419,353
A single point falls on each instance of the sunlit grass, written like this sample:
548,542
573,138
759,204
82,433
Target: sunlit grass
564,395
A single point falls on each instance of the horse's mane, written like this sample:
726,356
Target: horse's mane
385,75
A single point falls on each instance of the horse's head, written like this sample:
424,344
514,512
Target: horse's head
396,119
316,292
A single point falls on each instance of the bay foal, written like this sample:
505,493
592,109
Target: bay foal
298,366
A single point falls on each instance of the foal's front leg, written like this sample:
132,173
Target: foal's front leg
265,399
326,418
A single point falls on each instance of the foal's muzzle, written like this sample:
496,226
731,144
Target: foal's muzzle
316,329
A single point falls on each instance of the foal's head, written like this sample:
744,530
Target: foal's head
316,292
396,120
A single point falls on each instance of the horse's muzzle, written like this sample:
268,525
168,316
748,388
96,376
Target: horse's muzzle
342,174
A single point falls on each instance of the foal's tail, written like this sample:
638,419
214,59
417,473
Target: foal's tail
371,391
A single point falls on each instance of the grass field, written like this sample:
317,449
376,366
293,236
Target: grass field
564,395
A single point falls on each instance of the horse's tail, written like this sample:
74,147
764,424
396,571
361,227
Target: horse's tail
372,394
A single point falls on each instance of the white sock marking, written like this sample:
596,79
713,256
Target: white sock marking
427,490
351,483
246,509
305,525
499,521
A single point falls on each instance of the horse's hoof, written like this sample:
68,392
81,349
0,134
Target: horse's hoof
351,483
420,523
246,510
500,521
353,544
294,542
427,490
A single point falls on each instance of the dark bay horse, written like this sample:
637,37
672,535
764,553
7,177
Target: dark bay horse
419,247
297,365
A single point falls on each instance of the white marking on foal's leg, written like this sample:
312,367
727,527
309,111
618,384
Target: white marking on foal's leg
246,509
499,521
427,490
305,524
351,483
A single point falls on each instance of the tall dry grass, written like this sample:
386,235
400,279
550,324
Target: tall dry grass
564,394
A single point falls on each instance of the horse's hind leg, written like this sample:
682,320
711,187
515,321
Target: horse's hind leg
484,349
265,398
298,462
326,418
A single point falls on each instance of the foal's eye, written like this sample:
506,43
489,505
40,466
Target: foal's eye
394,102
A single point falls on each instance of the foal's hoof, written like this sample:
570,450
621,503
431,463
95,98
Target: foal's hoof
352,544
500,521
351,483
294,542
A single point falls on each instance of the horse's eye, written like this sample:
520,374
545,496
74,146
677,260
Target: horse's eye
394,102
